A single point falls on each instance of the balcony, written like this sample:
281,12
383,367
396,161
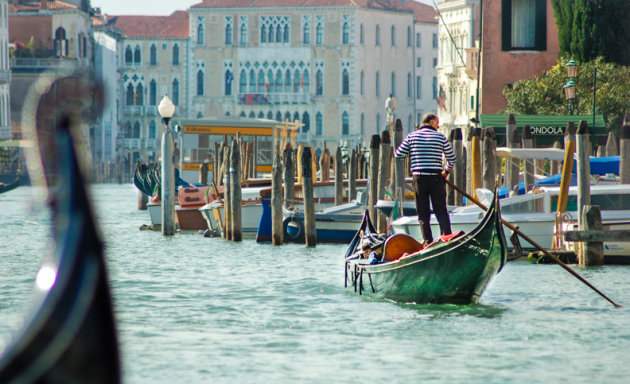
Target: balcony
131,144
273,98
151,110
134,110
151,143
472,56
5,76
28,64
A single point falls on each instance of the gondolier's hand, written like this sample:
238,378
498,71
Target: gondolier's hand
445,174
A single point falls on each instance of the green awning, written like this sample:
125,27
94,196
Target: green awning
551,121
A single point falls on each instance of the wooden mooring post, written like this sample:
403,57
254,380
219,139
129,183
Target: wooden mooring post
375,144
529,167
277,232
352,175
168,184
457,176
235,191
289,174
310,232
338,177
398,177
583,150
384,164
489,158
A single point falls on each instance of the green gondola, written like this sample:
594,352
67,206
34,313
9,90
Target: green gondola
456,271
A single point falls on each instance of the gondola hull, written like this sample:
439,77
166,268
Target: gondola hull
457,271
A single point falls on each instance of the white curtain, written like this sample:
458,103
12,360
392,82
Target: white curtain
523,23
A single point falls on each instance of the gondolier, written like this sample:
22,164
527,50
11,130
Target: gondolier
426,147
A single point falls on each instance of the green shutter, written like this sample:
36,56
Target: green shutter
506,25
541,25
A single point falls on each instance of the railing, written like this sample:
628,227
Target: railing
134,110
131,143
5,76
152,143
273,98
151,110
42,64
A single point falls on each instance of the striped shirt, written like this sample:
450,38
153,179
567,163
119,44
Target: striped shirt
425,147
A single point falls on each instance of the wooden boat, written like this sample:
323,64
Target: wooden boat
8,187
454,269
72,336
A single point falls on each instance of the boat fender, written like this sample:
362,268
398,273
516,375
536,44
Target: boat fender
293,229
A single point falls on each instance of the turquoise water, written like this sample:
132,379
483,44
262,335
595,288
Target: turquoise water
198,310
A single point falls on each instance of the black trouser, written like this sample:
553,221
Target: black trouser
431,187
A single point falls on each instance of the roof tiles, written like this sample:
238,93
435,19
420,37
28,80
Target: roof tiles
173,26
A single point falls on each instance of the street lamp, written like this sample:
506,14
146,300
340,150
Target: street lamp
569,94
569,87
166,110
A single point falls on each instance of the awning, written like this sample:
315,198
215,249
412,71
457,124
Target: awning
533,121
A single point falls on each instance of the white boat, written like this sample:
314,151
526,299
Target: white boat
533,213
251,211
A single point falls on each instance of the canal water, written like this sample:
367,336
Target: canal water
200,310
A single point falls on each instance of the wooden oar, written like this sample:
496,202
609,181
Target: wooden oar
532,242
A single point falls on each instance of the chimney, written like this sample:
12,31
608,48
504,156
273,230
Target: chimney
43,5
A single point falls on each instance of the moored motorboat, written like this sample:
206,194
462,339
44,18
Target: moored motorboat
535,213
454,269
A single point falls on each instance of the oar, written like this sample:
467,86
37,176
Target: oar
532,242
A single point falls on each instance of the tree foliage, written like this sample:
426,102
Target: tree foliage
544,94
588,29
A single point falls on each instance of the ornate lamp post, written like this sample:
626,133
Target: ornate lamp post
166,110
569,87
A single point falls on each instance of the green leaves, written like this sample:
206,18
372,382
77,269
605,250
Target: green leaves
544,94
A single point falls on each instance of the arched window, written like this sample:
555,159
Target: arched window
409,85
297,83
287,116
139,95
252,81
243,34
200,84
252,115
269,82
271,34
306,121
285,35
279,34
153,55
263,34
128,56
296,116
306,82
346,33
152,92
361,34
152,130
377,35
136,130
176,92
175,54
137,57
242,82
200,34
278,116
393,36
319,83
345,124
229,77
61,43
261,115
287,81
319,124
362,83
306,33
261,81
278,81
345,83
128,131
378,84
228,34
242,114
130,99
269,115
362,125
319,34
409,36
393,92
